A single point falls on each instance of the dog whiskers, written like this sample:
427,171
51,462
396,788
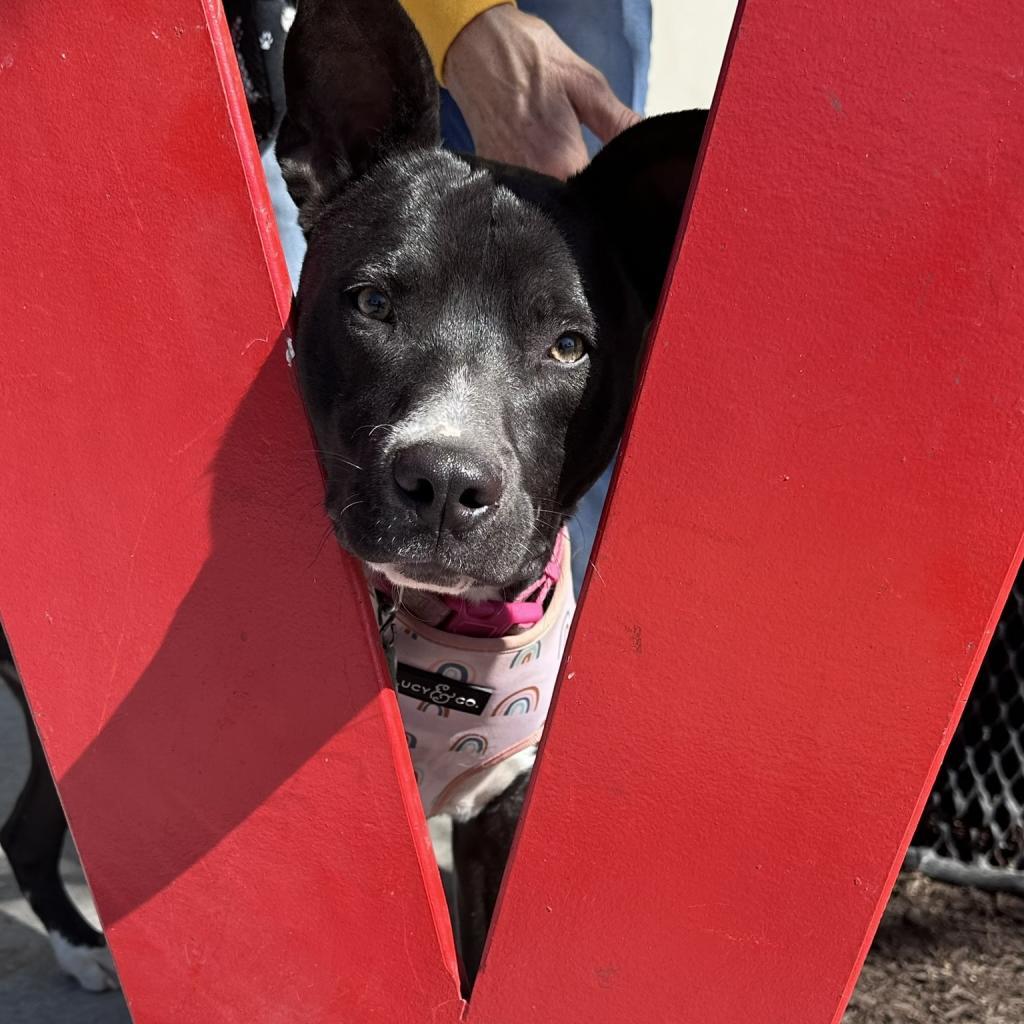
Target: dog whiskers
320,547
351,504
372,428
342,459
543,506
334,456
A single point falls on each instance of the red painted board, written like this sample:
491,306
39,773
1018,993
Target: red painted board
813,527
810,559
198,654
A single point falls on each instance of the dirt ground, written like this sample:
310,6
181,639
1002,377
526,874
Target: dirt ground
944,955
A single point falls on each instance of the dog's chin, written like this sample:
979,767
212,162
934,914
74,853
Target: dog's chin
431,578
442,571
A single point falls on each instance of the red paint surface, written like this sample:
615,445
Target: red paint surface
816,519
201,666
817,514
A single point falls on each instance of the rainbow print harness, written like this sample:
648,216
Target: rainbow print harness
469,702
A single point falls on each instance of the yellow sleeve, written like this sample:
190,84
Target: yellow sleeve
440,21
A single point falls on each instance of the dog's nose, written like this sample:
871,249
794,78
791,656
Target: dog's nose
450,488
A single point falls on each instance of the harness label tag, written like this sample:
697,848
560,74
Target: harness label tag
443,691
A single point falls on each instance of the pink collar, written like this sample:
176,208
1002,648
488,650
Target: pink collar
500,618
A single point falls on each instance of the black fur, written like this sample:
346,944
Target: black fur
33,835
480,849
486,266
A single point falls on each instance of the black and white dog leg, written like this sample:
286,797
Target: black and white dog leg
32,838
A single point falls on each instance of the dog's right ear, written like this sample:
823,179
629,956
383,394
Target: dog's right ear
358,83
636,187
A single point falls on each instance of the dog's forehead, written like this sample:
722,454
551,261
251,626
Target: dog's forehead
432,215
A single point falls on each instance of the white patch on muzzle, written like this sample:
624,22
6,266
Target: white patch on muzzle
443,416
391,572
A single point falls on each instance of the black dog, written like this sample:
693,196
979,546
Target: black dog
468,337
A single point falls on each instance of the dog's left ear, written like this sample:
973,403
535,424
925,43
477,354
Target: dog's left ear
358,84
636,187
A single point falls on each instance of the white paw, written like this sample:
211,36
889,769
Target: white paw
91,966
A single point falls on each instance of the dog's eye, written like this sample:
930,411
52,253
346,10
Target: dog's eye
570,348
372,302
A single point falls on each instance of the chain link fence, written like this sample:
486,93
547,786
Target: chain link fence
972,829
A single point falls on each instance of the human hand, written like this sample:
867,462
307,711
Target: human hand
524,93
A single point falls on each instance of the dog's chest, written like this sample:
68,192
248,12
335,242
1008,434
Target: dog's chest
469,705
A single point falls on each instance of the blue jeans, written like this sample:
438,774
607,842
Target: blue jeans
614,36
287,216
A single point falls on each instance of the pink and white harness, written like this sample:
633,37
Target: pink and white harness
475,689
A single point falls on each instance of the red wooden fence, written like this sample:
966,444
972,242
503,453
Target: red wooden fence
816,518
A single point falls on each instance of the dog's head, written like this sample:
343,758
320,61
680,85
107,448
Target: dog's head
468,334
